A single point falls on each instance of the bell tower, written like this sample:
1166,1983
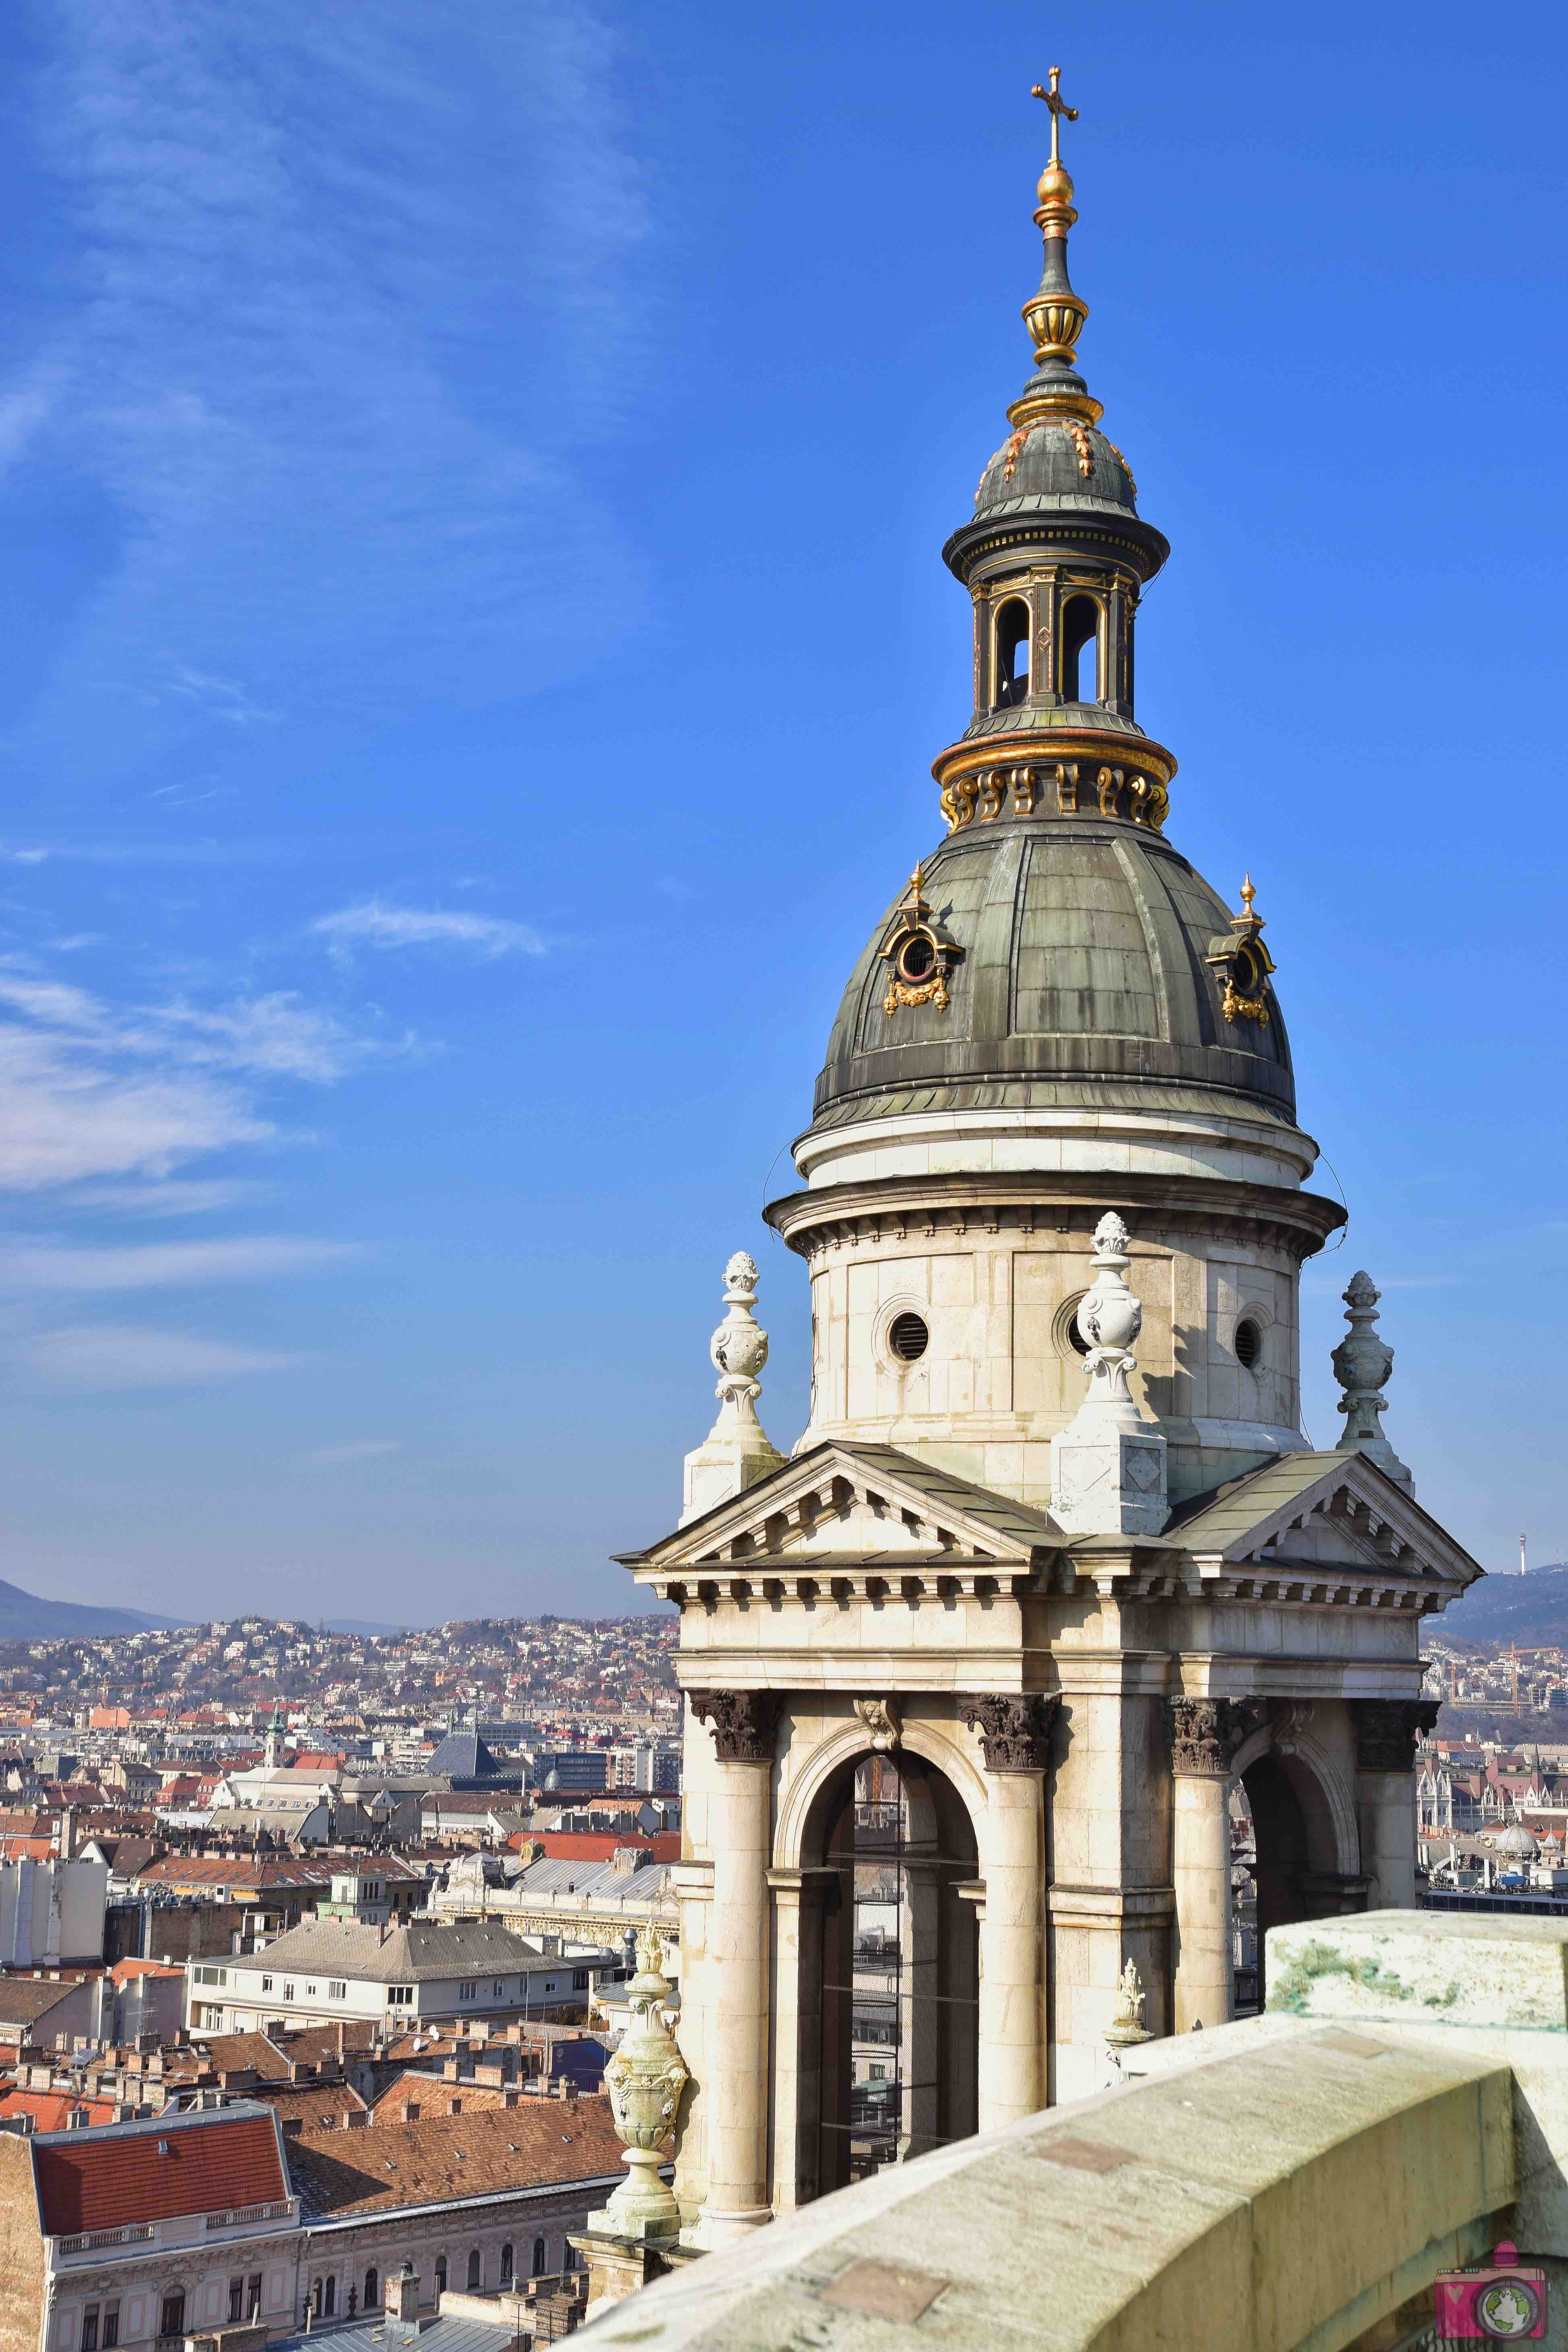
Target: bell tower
1055,1609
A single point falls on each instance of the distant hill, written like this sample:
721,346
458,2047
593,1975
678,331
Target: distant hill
361,1625
24,1617
1531,1609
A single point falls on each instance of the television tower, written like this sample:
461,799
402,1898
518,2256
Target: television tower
1521,1555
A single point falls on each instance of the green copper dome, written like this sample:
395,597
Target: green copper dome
1058,464
1080,975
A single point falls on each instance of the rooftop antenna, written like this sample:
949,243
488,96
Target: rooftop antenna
1521,1555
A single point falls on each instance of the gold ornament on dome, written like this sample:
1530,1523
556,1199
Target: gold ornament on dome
1243,964
919,957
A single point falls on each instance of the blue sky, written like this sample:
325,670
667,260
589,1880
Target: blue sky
475,640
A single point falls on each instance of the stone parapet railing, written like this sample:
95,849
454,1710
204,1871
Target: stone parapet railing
1289,2184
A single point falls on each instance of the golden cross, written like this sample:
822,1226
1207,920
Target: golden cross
1059,107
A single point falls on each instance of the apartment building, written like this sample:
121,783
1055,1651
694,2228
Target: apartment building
331,1971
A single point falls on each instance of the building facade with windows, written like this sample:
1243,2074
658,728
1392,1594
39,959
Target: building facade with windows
331,1971
142,2234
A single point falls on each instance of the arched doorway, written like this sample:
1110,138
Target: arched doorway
897,2029
1294,1870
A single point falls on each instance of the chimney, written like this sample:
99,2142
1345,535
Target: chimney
403,2293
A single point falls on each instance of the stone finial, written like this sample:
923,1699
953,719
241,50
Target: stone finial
736,1453
645,2079
1127,2027
1362,1362
1107,1467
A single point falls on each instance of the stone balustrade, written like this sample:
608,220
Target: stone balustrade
1292,2183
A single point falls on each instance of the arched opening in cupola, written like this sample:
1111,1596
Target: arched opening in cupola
1080,649
895,1976
1012,653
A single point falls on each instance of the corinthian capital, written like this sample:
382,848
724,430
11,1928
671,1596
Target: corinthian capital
1015,1732
1206,1733
1386,1729
743,1722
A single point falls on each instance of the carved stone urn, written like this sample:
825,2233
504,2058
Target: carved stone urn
645,2079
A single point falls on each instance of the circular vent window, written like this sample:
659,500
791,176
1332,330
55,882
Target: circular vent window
916,958
1248,1344
907,1338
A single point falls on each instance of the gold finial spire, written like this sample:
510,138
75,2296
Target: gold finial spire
1247,894
1058,106
1055,315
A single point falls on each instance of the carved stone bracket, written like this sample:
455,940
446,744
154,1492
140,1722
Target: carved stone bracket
1206,1733
1015,1733
880,1717
1386,1729
743,1722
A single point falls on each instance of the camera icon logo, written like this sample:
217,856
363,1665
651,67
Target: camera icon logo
1500,2302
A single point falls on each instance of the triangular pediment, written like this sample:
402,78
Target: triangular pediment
861,1506
1319,1512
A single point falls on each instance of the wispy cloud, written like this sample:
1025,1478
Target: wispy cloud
373,925
91,1090
123,1356
177,1197
361,1451
165,1266
355,287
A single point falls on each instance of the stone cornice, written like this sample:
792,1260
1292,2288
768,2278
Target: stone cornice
1067,1202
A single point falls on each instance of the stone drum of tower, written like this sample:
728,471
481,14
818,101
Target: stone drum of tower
1055,1016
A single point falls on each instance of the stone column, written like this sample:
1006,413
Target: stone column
740,1814
1014,1738
1386,1732
1207,1733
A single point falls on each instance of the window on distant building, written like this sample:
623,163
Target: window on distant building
89,2329
266,1984
253,2296
109,2335
468,1990
399,1995
287,1992
235,2299
330,2300
371,2288
579,1980
505,2263
499,1990
171,2318
440,2274
338,1988
539,2258
309,1993
475,2270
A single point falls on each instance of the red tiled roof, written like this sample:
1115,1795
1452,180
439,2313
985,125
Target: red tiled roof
123,1970
102,2181
52,2110
595,1845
